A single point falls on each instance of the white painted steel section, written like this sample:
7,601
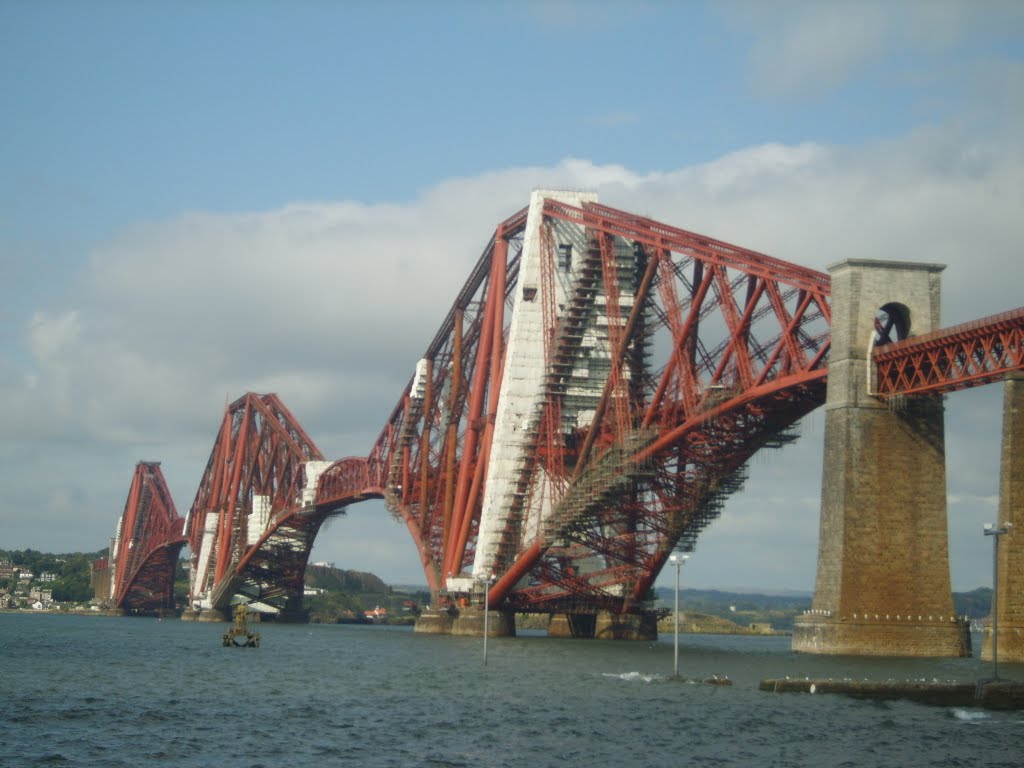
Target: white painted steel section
419,380
199,584
115,548
522,385
313,471
460,584
258,519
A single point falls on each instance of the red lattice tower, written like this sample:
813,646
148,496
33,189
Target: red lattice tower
250,532
714,353
147,544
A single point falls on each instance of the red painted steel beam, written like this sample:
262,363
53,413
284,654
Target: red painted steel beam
654,234
695,414
949,359
150,537
734,323
261,450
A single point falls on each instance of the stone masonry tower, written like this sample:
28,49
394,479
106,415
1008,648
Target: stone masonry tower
1011,545
883,585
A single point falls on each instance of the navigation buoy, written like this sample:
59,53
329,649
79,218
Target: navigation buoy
240,636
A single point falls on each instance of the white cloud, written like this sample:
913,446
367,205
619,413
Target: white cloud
805,49
819,46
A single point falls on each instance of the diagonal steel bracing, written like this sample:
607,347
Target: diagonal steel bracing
146,544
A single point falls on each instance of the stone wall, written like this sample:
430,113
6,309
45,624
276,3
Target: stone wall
1011,510
883,548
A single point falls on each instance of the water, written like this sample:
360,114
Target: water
97,691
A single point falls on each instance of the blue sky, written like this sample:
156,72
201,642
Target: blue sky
200,199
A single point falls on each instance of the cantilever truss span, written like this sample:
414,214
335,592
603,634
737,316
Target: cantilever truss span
146,545
590,399
588,403
252,523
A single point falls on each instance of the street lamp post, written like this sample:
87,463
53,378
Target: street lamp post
677,561
995,533
487,610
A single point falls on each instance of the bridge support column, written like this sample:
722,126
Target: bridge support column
574,625
212,615
434,623
883,585
629,626
1011,545
470,621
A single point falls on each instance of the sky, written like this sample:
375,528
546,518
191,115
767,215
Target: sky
203,199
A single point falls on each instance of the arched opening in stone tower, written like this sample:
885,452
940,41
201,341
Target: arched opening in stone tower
892,323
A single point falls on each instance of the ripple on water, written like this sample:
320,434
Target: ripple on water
340,696
969,715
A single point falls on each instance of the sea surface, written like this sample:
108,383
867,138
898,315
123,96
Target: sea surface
98,691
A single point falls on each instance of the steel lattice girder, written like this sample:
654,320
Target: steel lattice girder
709,334
260,450
149,539
954,358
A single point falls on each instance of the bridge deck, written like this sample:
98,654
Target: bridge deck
967,355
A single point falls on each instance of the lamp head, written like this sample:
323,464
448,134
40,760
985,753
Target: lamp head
987,527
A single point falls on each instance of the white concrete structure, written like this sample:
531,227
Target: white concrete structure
209,532
313,470
115,550
523,388
258,520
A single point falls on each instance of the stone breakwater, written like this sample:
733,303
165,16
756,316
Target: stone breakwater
989,694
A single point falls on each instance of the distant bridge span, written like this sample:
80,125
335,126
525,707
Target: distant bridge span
146,545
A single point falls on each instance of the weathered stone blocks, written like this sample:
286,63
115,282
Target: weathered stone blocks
883,548
1011,510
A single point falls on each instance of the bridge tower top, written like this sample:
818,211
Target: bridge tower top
875,302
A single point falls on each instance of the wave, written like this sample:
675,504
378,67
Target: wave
970,715
641,676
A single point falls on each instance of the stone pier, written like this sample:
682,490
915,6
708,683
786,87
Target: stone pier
1011,545
434,623
210,614
470,621
467,621
572,625
629,626
883,585
207,614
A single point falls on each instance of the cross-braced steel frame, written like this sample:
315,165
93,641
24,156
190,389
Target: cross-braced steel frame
708,352
148,542
963,356
714,352
260,452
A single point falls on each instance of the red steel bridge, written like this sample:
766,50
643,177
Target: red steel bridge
585,408
146,545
